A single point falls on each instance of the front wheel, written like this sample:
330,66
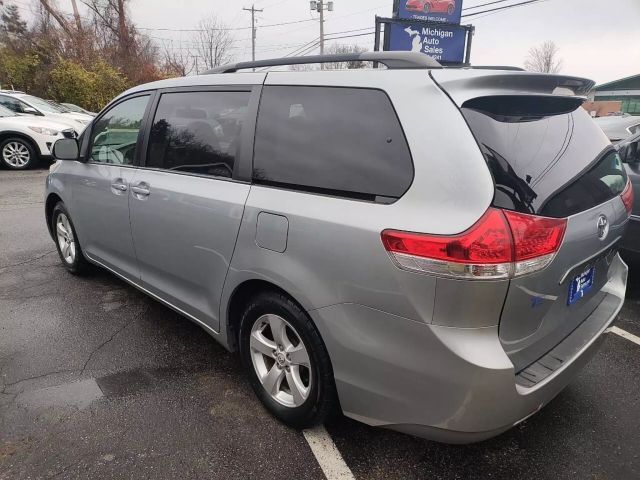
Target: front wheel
286,361
67,241
426,8
450,9
17,154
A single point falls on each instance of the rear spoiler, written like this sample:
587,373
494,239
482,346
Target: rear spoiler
466,84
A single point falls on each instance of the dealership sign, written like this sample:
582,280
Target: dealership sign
442,43
430,27
448,11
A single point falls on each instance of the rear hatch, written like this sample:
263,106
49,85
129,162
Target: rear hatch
547,158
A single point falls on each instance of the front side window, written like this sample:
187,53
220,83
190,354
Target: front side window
12,104
339,141
198,132
115,135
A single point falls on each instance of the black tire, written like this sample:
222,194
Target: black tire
451,9
33,157
426,8
79,265
322,400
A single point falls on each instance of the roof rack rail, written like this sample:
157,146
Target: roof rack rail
392,60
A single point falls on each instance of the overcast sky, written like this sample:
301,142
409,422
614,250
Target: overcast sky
598,39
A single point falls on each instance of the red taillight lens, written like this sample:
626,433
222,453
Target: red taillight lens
627,197
488,241
500,245
535,236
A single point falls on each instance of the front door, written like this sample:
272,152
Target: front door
100,200
187,202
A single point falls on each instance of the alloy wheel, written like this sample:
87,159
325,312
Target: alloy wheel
281,360
66,241
16,154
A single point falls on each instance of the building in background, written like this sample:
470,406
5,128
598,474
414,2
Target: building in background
625,90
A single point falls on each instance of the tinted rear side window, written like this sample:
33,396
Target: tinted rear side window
197,132
342,141
544,162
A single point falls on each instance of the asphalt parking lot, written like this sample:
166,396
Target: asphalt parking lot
99,381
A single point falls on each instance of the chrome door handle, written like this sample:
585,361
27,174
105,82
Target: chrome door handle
118,186
141,189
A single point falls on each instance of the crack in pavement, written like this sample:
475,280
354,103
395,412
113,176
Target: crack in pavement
115,334
27,261
7,385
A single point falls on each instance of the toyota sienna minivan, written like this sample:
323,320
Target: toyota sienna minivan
432,250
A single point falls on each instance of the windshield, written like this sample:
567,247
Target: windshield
5,112
60,106
43,105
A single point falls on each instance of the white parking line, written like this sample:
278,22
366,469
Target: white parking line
624,334
327,454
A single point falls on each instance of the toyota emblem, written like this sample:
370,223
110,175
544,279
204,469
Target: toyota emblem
603,227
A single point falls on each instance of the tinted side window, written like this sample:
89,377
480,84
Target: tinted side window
198,132
115,135
12,104
346,141
542,162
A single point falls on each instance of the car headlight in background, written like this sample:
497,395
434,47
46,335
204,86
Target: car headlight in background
44,131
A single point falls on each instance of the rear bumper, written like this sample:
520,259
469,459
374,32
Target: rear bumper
454,385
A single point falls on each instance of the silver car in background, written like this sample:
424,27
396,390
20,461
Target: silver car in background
430,250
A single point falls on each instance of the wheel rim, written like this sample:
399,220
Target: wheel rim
16,154
426,8
66,242
280,360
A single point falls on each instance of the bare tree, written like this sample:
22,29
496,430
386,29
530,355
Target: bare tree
544,58
175,62
213,43
338,49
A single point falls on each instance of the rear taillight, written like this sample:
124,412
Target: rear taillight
502,244
627,197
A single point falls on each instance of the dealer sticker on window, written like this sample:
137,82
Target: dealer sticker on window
580,285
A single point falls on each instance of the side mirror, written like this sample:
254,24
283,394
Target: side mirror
66,149
630,153
30,111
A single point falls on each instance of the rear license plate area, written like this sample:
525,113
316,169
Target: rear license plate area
580,285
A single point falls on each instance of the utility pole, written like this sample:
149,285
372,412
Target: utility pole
320,6
253,11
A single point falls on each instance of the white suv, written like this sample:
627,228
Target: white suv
24,139
21,102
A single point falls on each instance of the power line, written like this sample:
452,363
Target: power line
485,4
224,29
506,7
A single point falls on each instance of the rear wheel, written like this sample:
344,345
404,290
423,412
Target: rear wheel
426,8
17,154
67,241
450,9
286,361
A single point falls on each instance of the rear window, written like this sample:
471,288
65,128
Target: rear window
546,162
342,141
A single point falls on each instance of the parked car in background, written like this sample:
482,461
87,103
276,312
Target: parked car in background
77,109
403,244
31,105
619,127
432,6
25,139
629,151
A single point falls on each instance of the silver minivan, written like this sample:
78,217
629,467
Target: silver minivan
432,250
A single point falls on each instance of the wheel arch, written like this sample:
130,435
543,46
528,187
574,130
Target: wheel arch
6,134
239,297
49,205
